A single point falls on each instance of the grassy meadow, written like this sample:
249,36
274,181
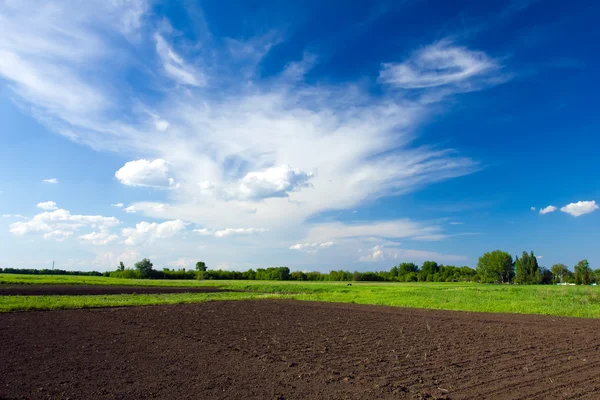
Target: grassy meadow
574,301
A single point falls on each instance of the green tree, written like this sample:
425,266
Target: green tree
559,271
428,268
583,273
144,267
201,269
527,269
496,266
121,266
406,268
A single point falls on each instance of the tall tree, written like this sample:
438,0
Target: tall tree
496,266
583,273
201,269
527,269
405,268
145,268
428,269
559,271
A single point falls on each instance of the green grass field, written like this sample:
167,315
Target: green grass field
574,301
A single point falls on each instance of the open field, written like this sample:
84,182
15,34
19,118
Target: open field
575,301
282,349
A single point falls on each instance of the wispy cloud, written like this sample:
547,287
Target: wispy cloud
175,66
242,150
441,64
230,231
50,180
548,210
311,247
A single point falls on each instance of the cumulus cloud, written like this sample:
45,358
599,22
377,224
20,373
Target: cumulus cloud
60,222
375,254
146,232
439,64
50,180
580,208
118,205
272,182
548,210
145,173
101,238
47,205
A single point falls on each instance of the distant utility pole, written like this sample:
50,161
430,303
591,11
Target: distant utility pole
52,265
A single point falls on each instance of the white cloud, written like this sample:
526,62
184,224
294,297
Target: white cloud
147,232
235,140
547,210
61,221
375,254
230,231
16,216
395,229
532,208
580,208
457,223
183,262
99,238
145,173
118,205
50,180
175,66
272,182
110,260
431,238
47,205
161,125
311,247
439,64
539,257
148,207
58,235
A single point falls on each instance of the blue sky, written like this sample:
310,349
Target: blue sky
315,135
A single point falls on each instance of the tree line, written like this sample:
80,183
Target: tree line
30,271
499,267
492,267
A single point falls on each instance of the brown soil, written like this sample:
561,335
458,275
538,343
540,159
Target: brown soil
275,349
70,290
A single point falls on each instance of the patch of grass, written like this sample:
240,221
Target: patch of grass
573,301
30,303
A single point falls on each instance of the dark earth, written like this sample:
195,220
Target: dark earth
71,290
285,349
